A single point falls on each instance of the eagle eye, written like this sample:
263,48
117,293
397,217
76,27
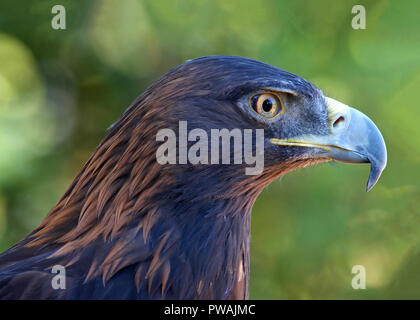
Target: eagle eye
267,105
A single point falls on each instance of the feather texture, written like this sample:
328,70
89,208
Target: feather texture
130,228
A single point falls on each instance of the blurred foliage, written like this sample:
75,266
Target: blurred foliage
61,89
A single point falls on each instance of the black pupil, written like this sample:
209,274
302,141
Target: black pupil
267,105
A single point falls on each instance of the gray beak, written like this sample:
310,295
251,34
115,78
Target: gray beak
353,138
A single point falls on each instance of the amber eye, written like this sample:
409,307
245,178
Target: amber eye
267,105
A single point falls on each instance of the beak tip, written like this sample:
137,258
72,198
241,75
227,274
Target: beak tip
375,173
369,186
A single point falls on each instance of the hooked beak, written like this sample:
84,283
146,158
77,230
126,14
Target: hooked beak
353,138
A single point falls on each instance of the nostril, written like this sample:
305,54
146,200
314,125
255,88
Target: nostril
338,121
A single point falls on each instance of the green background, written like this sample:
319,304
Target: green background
61,89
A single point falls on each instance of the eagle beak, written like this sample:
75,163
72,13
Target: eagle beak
353,138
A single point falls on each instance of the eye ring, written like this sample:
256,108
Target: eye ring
266,104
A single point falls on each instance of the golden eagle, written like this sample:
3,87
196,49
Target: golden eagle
132,226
